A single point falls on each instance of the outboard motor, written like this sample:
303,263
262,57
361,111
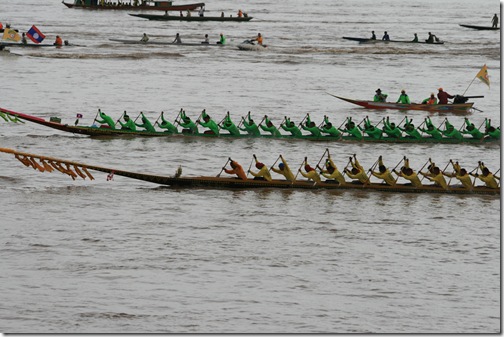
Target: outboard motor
459,99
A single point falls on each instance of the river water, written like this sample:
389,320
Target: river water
126,256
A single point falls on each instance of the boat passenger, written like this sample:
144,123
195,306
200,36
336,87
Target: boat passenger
330,129
370,129
170,128
311,173
486,176
227,124
331,172
291,127
146,124
250,127
492,131
407,173
206,41
373,36
415,39
357,173
58,41
23,39
222,39
443,96
181,15
379,96
188,125
431,129
495,21
311,127
461,174
472,130
432,38
208,122
263,173
105,120
129,125
269,127
409,129
390,129
144,38
283,169
451,132
403,98
430,100
384,173
188,14
259,39
177,39
385,37
201,12
236,169
436,176
240,13
222,14
352,129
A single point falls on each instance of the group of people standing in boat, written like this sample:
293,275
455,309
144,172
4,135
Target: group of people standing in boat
358,175
441,98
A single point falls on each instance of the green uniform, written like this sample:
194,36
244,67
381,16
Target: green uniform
471,130
491,131
146,124
371,130
228,125
208,122
105,120
269,127
167,125
291,127
351,129
129,125
330,129
404,99
431,129
312,128
188,125
410,130
250,127
391,130
451,132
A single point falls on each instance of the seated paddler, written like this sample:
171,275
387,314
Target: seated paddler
390,129
431,129
227,124
331,172
269,127
451,132
311,127
384,173
129,123
352,129
284,169
410,130
208,122
357,172
407,173
470,129
311,173
436,175
432,99
105,120
370,129
146,124
187,124
250,126
460,174
486,176
491,131
291,127
170,128
330,129
235,169
263,173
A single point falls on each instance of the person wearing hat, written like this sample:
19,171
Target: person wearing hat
331,172
380,97
129,125
430,100
236,169
357,173
263,173
311,174
250,126
403,98
443,96
283,169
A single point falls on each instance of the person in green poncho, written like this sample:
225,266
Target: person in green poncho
330,129
371,130
146,124
129,125
227,124
470,129
105,120
431,130
403,98
291,127
451,132
250,126
208,122
311,127
170,128
410,130
269,127
352,129
187,124
492,131
391,129
380,97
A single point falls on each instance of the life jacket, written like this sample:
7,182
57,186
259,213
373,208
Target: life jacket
59,41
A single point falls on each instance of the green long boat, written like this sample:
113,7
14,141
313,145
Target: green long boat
104,130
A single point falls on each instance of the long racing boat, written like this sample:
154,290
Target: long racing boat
480,27
76,170
104,130
141,5
193,18
166,43
367,40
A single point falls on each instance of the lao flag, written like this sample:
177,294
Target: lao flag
35,35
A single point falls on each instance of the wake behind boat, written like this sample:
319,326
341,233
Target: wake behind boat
193,18
167,43
251,45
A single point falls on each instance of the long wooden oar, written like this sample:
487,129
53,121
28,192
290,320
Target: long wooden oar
224,167
124,113
251,162
262,120
323,155
274,163
199,118
300,166
162,112
428,161
371,170
177,118
301,124
399,163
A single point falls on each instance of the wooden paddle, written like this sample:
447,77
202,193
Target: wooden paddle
274,163
224,167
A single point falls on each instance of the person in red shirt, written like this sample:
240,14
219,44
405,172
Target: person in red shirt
443,96
59,41
236,169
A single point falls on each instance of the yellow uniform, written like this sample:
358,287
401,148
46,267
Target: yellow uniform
312,175
386,176
263,172
413,178
286,172
336,174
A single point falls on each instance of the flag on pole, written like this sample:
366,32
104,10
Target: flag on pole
483,75
35,34
11,35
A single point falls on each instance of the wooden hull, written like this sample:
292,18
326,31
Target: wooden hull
107,132
463,107
187,7
28,45
161,43
192,18
480,27
365,40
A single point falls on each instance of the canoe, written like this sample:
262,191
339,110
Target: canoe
148,5
366,40
192,18
480,27
165,43
461,108
95,131
76,170
28,45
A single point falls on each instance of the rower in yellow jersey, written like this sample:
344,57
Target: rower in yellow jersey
263,172
384,173
486,176
331,172
311,174
407,173
357,172
283,169
461,174
436,176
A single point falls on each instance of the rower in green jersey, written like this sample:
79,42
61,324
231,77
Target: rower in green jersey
492,131
269,127
227,124
352,129
284,169
431,130
357,173
461,174
370,129
187,124
129,125
410,130
391,129
451,132
291,127
105,120
331,172
470,129
170,128
146,124
250,126
311,127
384,173
330,129
208,122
